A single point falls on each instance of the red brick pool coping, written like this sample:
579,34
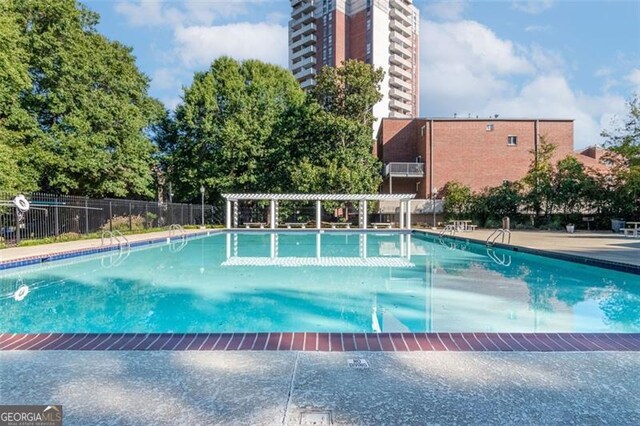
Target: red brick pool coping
324,342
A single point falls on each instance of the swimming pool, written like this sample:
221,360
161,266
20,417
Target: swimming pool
317,282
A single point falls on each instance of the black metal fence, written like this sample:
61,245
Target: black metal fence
56,215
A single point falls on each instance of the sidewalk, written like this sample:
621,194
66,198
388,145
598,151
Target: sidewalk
599,245
14,253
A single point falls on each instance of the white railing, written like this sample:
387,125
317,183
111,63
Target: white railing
404,169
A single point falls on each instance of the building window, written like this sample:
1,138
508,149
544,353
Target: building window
490,127
506,181
368,48
368,24
512,140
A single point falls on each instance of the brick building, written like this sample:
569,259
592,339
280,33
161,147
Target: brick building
423,153
383,33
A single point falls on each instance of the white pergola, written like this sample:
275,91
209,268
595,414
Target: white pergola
362,199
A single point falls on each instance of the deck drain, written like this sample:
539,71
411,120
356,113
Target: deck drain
316,417
358,363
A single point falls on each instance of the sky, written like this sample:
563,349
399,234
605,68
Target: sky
525,58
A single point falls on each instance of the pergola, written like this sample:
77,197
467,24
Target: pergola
362,199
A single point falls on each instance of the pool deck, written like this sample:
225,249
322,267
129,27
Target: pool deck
15,253
305,388
598,245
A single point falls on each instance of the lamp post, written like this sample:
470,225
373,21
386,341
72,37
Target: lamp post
202,203
433,205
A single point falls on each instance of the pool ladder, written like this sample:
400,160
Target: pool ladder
116,235
499,233
448,229
177,229
113,260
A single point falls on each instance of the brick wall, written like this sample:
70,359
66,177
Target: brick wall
465,151
357,36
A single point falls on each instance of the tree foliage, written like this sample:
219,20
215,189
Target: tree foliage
623,184
247,126
76,110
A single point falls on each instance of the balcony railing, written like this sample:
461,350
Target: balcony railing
404,169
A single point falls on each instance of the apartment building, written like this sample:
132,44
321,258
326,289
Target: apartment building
383,33
421,155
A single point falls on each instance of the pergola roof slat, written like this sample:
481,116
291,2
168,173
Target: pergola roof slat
319,197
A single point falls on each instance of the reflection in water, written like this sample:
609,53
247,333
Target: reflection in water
317,282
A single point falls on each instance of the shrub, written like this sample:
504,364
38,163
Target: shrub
125,223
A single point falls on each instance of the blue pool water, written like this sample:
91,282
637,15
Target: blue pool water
256,282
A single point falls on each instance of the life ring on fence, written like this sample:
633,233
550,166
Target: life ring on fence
21,293
21,203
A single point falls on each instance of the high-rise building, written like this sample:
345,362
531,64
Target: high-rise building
383,33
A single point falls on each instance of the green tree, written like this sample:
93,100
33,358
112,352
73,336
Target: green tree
88,100
349,91
538,182
458,200
230,132
571,184
16,125
624,144
503,200
334,143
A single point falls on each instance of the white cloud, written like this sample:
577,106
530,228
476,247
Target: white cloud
184,13
446,10
149,13
467,69
634,78
463,65
165,78
533,7
199,45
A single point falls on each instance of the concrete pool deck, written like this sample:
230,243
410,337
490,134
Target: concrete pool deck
599,245
15,253
304,388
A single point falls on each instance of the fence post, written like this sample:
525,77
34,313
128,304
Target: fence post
57,224
130,227
86,215
110,218
17,226
146,214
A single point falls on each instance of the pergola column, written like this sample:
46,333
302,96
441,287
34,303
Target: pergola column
402,214
273,214
408,214
235,214
364,214
318,214
228,215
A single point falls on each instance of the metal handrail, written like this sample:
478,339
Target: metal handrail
451,229
117,235
108,234
177,228
500,232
